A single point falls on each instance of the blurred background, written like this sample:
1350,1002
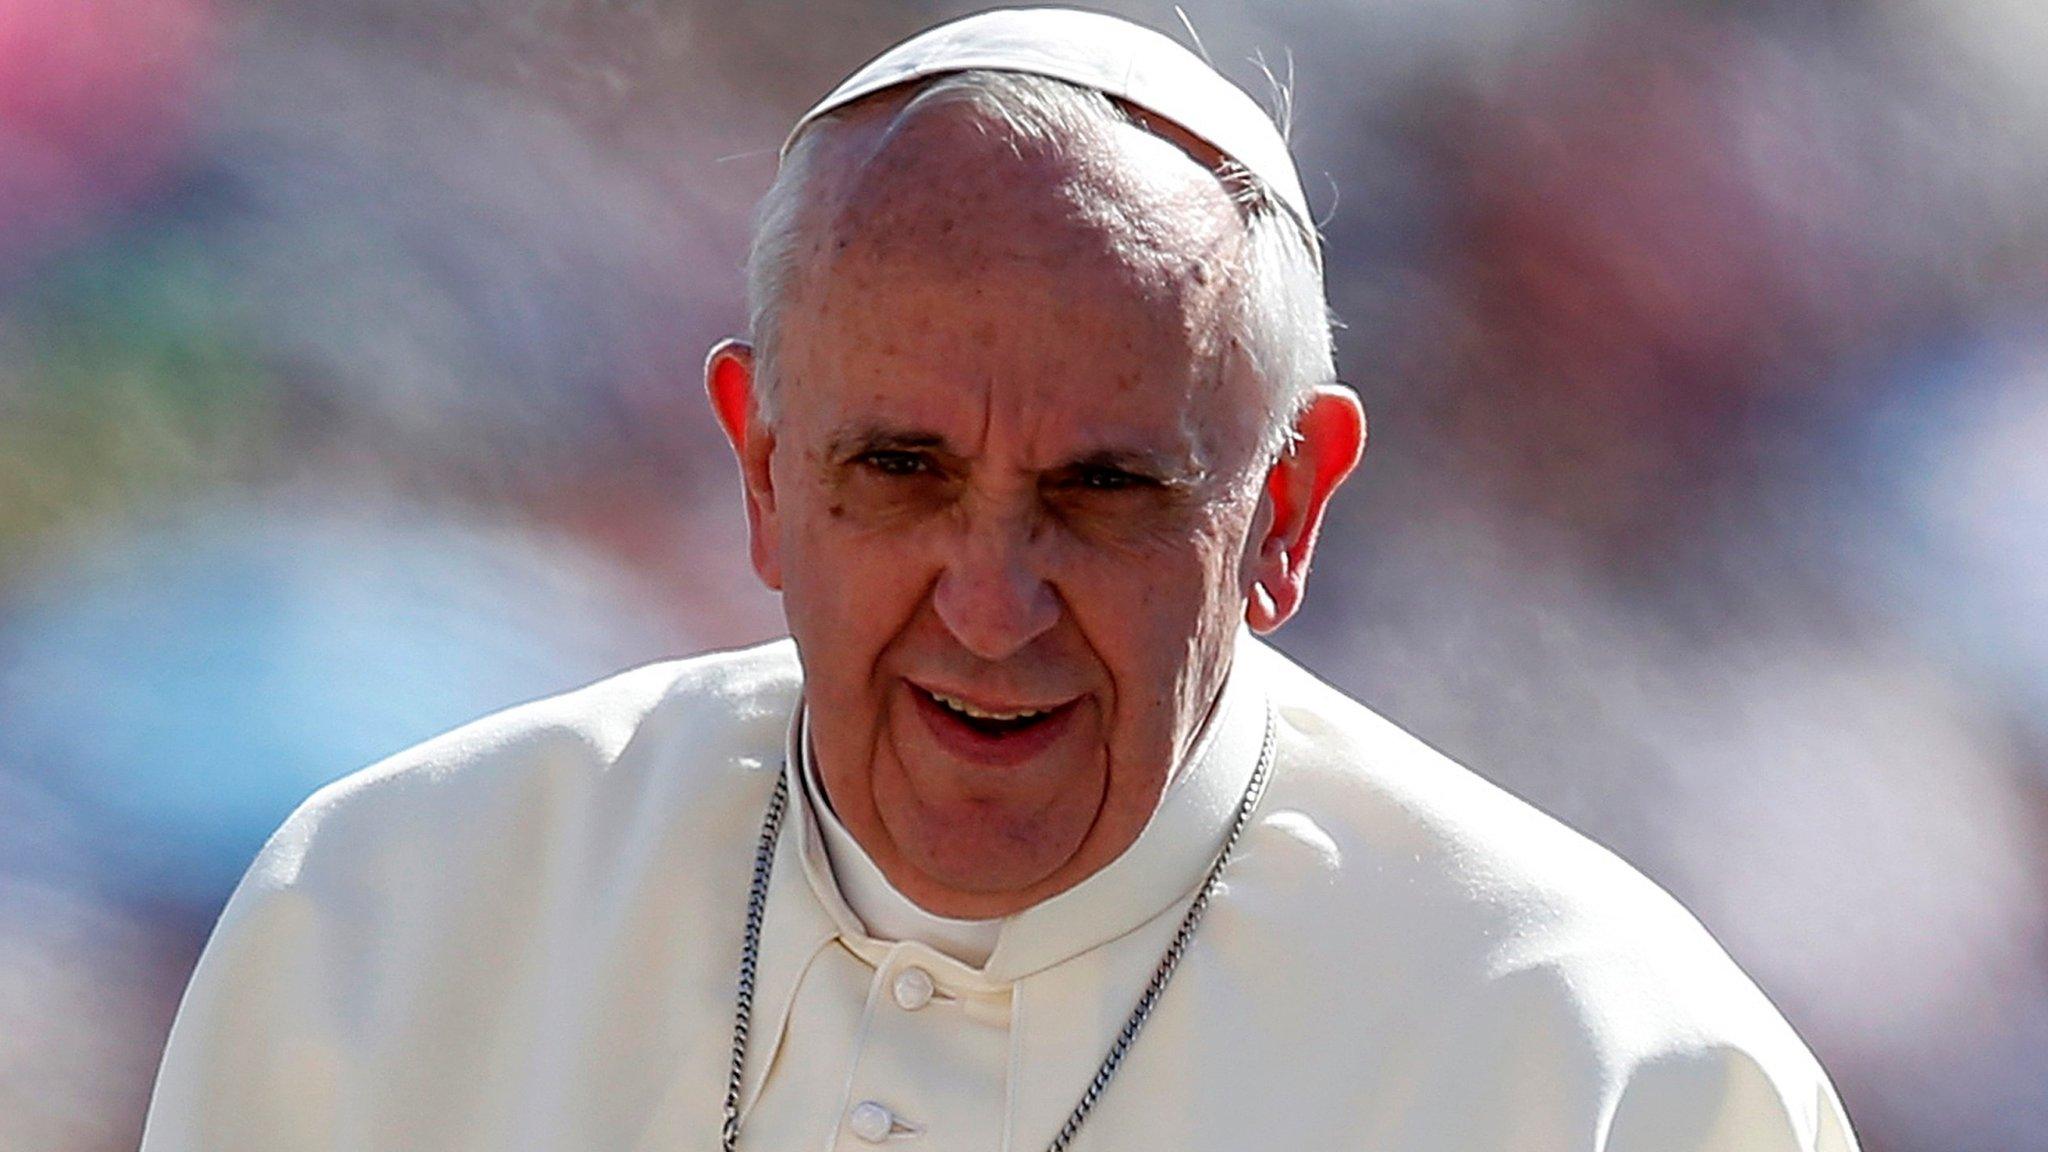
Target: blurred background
349,360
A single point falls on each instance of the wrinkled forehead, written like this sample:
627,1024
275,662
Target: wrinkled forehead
1013,265
961,189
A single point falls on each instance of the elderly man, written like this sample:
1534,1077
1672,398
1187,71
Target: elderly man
1024,842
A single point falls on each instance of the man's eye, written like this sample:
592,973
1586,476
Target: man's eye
1108,480
889,462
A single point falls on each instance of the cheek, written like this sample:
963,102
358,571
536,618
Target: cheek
1159,620
1193,636
845,579
1189,574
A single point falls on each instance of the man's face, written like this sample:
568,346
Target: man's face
1014,469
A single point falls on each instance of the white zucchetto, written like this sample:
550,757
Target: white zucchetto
1120,59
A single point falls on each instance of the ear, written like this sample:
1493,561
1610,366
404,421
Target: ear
1329,440
729,379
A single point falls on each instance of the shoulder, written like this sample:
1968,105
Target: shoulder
411,924
673,734
1397,819
1479,905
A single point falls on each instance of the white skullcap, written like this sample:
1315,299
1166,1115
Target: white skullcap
1111,55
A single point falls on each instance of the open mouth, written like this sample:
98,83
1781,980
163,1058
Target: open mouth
990,735
986,722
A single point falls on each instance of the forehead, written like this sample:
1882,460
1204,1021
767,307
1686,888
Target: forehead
1089,277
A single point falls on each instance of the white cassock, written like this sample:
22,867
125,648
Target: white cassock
525,934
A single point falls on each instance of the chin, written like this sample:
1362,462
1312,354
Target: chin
956,863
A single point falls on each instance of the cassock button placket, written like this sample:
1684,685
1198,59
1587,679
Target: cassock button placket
912,989
863,1119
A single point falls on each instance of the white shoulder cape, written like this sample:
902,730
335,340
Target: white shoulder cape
524,935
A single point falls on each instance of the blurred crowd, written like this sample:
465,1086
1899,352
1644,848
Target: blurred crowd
349,357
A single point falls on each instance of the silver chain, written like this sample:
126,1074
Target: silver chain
757,910
750,959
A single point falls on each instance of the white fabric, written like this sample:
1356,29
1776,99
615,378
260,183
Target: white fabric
883,912
524,935
1111,55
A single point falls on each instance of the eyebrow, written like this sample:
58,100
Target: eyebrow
854,441
1167,468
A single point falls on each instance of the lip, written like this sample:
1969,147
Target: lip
965,743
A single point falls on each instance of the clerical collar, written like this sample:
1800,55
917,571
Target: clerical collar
1157,871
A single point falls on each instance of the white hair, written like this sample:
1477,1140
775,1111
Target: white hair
1281,319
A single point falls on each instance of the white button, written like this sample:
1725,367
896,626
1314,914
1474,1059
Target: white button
913,989
870,1121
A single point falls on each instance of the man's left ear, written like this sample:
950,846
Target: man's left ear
1329,440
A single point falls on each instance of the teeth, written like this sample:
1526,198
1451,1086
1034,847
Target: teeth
966,709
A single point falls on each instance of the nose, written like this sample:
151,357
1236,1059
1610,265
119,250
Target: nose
992,594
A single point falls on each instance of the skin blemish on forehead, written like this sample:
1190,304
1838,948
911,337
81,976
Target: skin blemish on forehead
1118,192
942,202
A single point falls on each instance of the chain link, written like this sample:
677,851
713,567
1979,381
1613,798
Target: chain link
757,910
750,959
